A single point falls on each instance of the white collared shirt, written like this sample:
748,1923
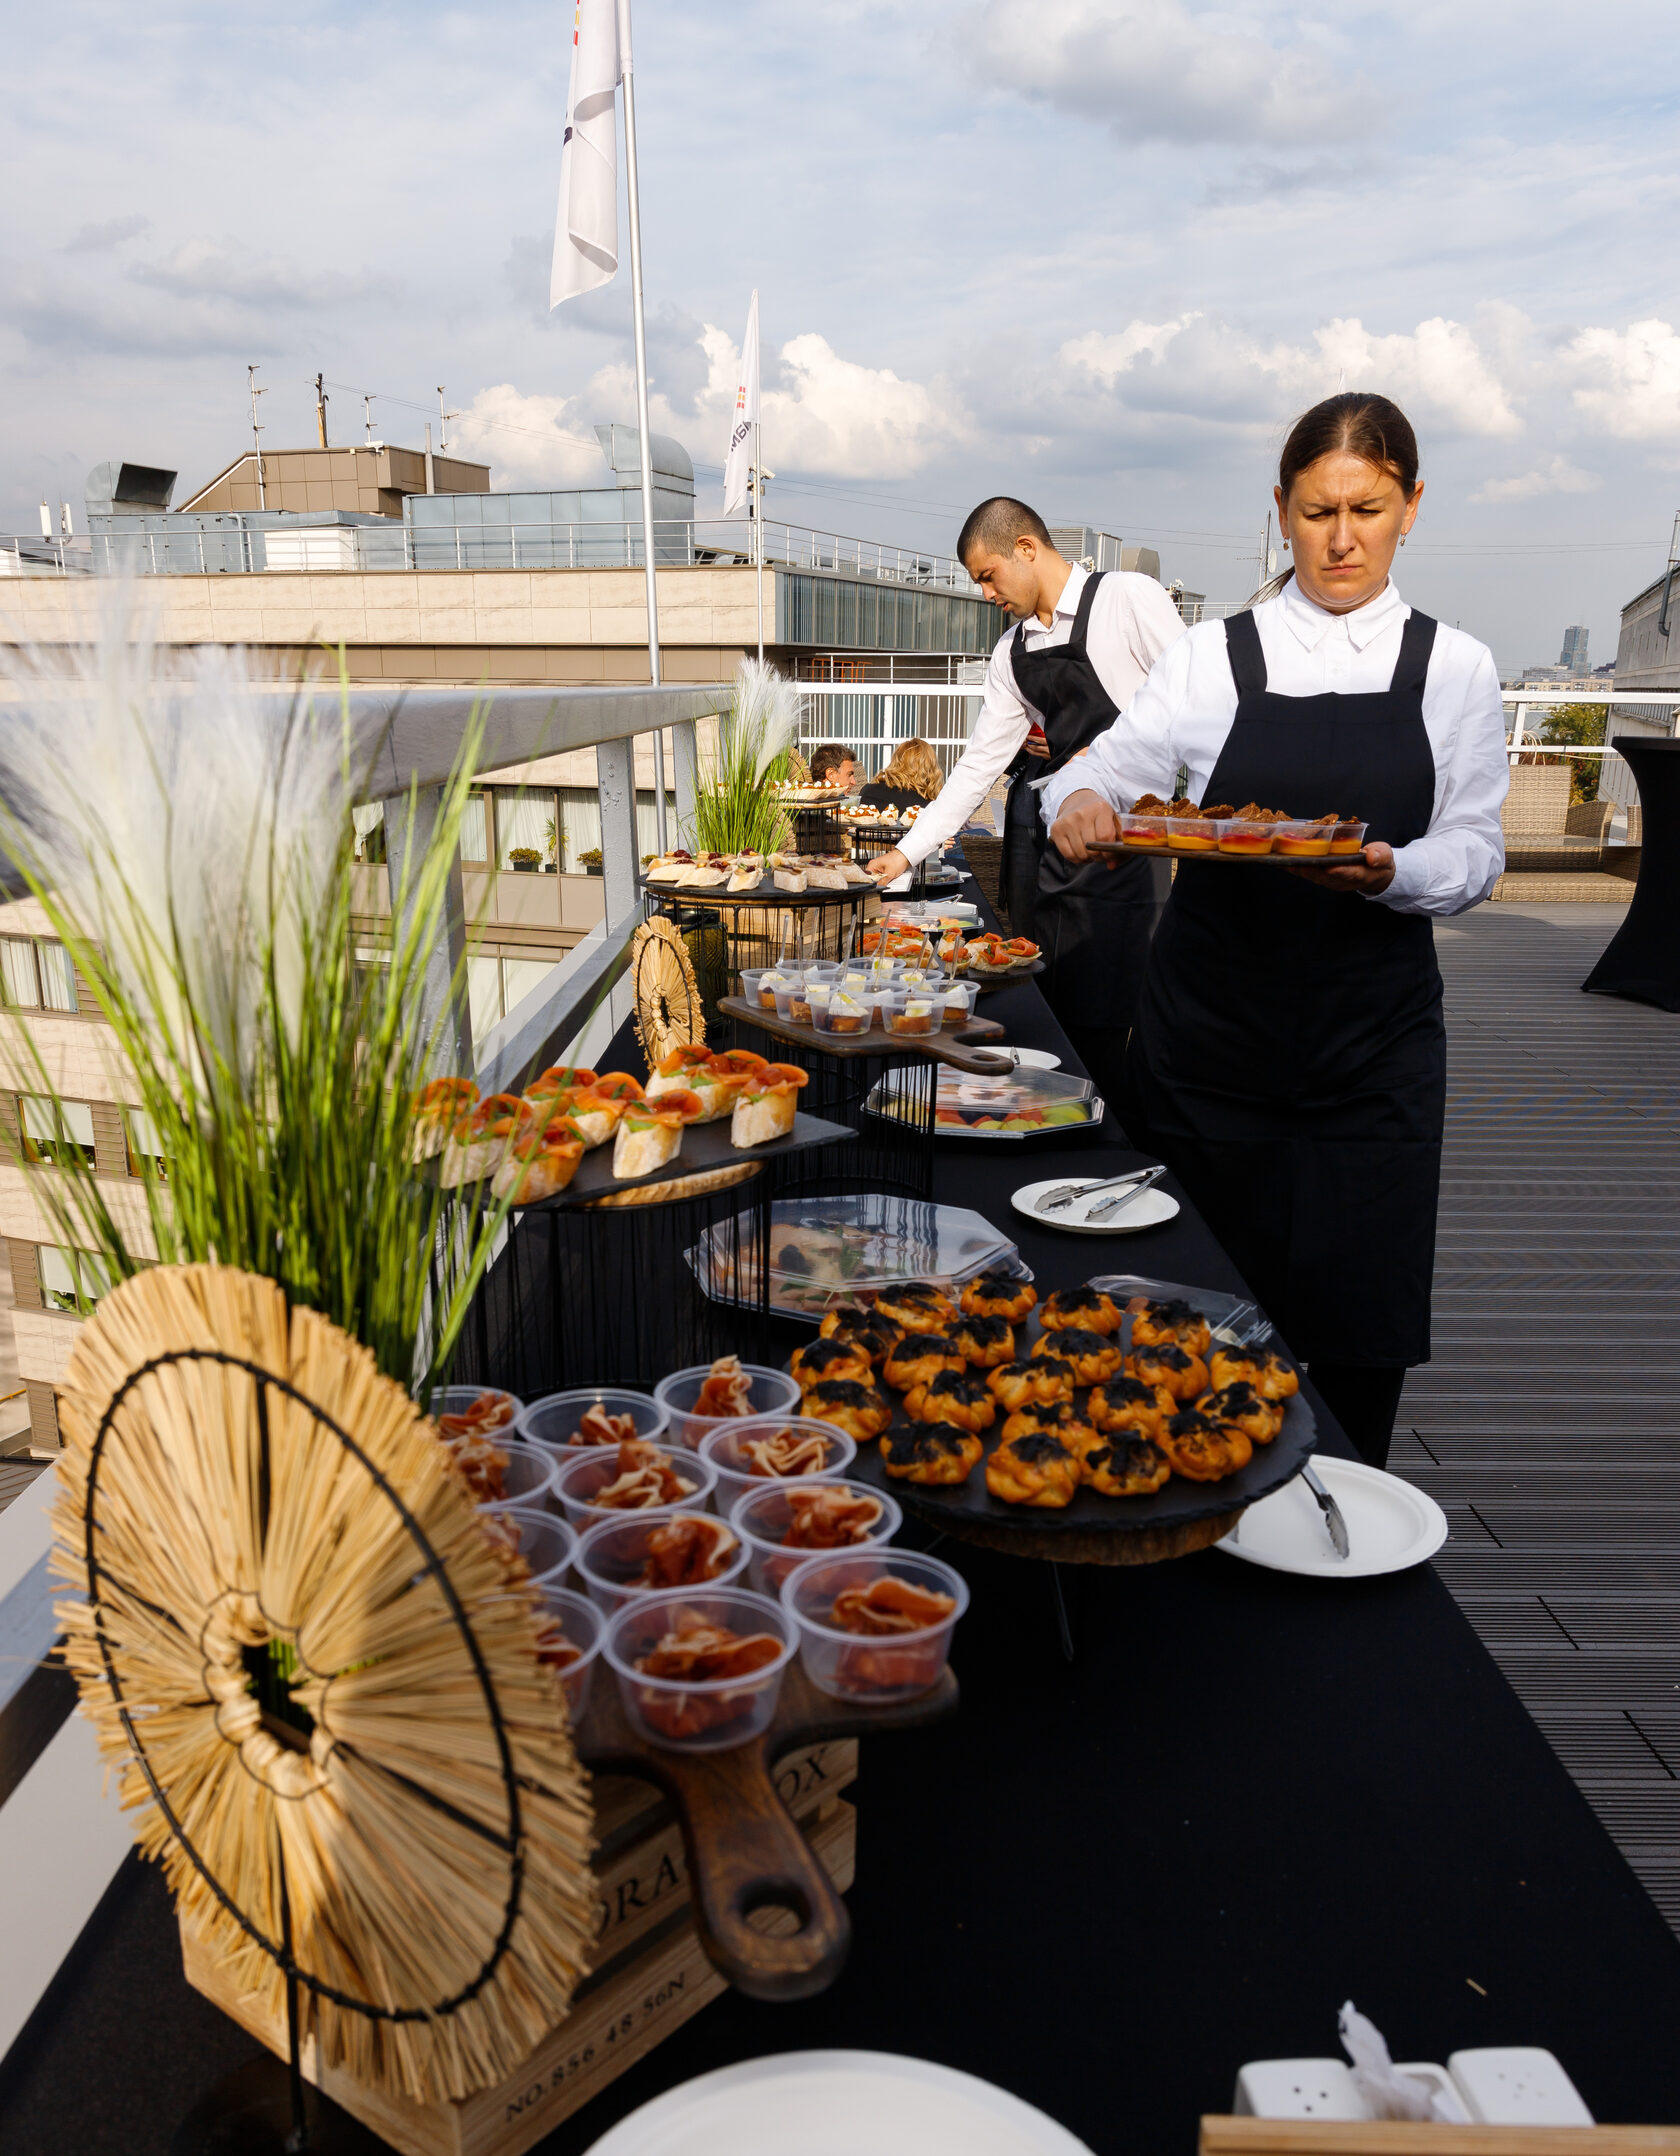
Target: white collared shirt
1132,622
1183,714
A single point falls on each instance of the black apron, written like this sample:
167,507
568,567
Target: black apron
1092,922
1289,1058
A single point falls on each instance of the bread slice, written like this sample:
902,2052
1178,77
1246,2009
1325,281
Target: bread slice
790,879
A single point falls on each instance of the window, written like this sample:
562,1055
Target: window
475,830
36,973
59,1133
527,820
145,1152
72,1280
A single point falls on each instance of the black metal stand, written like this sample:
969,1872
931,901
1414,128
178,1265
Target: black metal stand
258,2110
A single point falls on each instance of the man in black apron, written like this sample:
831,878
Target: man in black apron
1093,922
1289,1054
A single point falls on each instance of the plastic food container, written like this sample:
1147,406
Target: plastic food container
793,999
886,998
1349,837
843,1249
611,1556
1145,831
1194,834
847,1010
456,1399
552,1421
686,1714
918,1014
1240,836
726,1450
1306,841
758,987
773,1392
957,1001
586,1473
527,1479
822,969
546,1543
585,1628
877,1667
763,1517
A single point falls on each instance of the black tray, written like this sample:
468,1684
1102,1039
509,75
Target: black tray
764,894
705,1146
1118,850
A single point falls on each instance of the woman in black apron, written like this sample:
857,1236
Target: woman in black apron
1092,921
1288,1058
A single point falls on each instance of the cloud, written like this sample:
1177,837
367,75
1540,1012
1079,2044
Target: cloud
99,239
1627,382
1200,364
1558,476
225,270
531,440
1151,70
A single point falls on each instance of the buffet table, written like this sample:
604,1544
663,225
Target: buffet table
1105,1885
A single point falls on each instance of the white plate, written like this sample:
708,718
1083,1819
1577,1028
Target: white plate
1148,1211
1390,1525
837,2103
1026,1059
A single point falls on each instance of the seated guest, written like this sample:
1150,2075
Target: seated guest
834,765
911,780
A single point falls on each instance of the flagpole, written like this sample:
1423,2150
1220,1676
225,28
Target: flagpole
642,418
758,528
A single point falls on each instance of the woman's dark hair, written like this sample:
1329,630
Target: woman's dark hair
1364,425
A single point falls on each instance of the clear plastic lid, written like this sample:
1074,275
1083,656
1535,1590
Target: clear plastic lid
825,1250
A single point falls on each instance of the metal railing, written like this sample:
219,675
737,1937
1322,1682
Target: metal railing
872,723
238,548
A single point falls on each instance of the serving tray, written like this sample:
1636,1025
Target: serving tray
960,1046
763,894
1117,850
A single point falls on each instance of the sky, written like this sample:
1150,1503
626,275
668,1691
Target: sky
1095,253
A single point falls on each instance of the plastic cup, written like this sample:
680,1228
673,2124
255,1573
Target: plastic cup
822,969
1349,837
1149,832
551,1422
763,1517
527,1479
680,1714
611,1556
958,1002
725,1448
793,1002
456,1399
546,1543
864,1666
585,1629
1194,834
770,1392
753,990
917,1016
1302,840
1240,836
847,1010
580,1478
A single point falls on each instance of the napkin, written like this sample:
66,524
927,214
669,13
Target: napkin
1388,2093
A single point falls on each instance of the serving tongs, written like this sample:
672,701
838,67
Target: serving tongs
1134,1183
1335,1522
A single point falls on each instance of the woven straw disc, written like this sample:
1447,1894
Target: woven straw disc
432,1829
668,1010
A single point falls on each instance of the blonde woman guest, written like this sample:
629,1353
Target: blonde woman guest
911,780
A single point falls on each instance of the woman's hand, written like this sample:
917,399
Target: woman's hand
888,867
1085,816
1369,875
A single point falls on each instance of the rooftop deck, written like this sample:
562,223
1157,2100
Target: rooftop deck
1548,1425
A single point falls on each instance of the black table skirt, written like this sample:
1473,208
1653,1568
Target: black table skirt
1642,959
1106,1885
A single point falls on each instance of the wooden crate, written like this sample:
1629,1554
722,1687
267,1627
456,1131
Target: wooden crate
1394,2137
650,1973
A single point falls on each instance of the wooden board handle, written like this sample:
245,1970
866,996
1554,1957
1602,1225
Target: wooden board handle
972,1056
746,1854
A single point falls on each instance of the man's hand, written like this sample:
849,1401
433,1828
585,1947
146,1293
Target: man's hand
1085,816
1371,873
1037,745
887,867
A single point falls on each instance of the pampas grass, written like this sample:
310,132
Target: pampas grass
735,808
226,1517
188,832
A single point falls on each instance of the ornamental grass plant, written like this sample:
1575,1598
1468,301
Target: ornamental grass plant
188,833
735,804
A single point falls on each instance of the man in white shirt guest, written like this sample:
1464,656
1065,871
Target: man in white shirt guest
1082,645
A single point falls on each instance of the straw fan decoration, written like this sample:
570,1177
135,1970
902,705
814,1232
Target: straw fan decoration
668,1006
320,1681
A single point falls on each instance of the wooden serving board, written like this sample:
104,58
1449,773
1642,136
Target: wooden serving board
1406,2137
745,1852
963,1047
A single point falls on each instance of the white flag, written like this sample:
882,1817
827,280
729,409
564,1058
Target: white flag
586,227
739,460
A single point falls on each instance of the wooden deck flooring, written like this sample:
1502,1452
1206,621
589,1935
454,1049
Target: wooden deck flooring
1548,1425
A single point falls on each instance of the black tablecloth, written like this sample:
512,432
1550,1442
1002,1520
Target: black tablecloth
1107,1885
1642,959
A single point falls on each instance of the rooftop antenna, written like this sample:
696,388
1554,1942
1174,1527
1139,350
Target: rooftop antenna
367,415
256,437
1668,581
321,410
444,418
